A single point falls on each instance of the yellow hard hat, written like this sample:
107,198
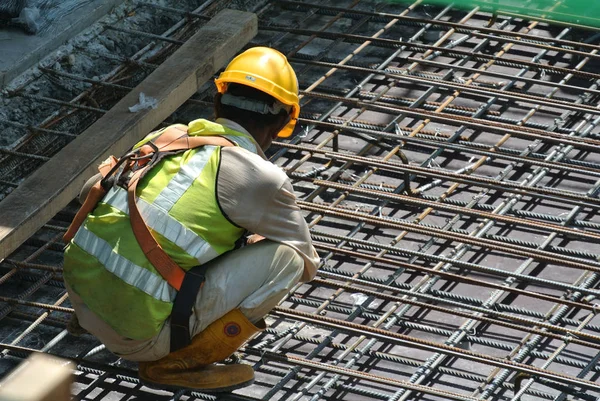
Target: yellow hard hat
268,71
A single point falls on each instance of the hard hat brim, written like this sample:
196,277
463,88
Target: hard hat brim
256,82
288,130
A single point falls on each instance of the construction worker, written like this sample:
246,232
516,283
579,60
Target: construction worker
197,204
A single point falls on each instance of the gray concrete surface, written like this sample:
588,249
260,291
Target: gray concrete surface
19,50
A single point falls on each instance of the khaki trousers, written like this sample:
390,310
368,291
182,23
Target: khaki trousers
254,279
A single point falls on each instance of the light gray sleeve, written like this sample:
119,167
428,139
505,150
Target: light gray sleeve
258,196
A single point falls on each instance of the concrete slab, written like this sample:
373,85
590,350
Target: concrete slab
19,50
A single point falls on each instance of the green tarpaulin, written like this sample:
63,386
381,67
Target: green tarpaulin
585,13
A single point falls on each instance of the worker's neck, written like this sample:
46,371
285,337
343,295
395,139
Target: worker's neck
259,135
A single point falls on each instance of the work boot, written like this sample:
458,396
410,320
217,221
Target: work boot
192,367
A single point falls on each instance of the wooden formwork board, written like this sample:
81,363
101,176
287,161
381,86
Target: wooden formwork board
40,378
55,184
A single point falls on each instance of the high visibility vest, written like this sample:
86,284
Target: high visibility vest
104,264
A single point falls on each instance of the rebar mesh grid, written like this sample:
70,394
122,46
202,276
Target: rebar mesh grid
447,165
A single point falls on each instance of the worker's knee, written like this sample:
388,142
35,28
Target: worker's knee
284,260
285,269
290,260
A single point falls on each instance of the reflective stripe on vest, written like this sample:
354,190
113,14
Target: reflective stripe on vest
150,283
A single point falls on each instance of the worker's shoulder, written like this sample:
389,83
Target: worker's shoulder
250,167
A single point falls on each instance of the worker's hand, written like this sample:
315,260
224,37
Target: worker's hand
254,238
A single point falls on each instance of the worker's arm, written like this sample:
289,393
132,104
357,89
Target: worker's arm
258,196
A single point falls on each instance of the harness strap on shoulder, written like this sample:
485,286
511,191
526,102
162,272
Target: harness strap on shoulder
171,142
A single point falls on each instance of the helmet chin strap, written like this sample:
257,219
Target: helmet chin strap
253,105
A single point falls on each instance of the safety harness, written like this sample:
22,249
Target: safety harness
127,172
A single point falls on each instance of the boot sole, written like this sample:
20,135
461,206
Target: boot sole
174,388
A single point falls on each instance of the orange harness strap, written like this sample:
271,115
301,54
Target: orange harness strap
174,139
168,269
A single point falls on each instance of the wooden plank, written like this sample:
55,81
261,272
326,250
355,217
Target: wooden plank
54,185
40,378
